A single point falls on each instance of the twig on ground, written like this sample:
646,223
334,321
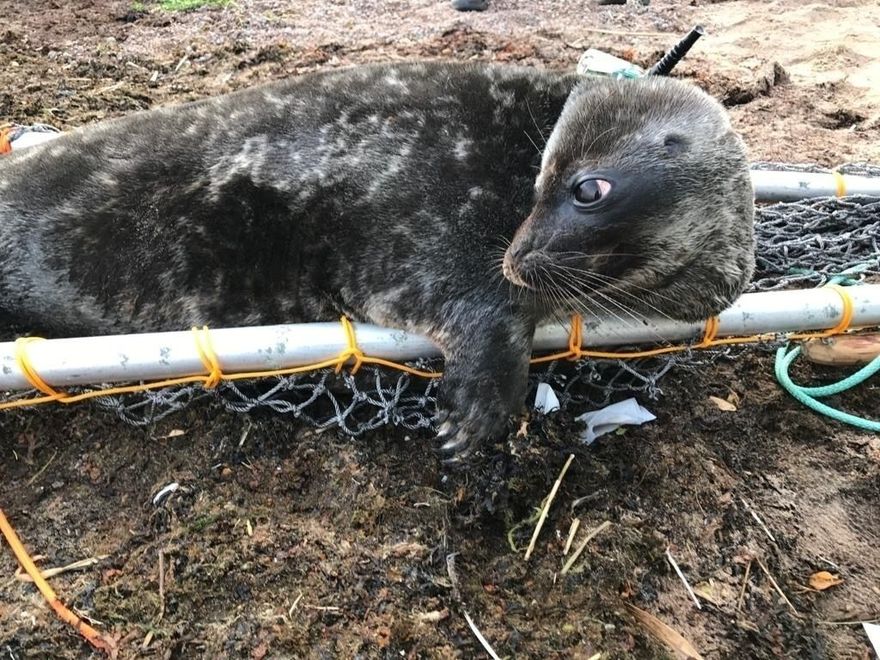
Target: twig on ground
742,591
854,622
777,587
480,637
453,575
580,548
683,579
42,469
619,33
546,508
161,585
324,608
292,608
52,572
757,519
575,524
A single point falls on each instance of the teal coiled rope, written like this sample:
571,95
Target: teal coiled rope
808,396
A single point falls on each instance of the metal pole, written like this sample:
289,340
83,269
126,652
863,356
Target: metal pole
773,186
121,358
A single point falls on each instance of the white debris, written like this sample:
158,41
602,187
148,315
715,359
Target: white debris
872,630
609,418
29,139
21,137
546,400
165,492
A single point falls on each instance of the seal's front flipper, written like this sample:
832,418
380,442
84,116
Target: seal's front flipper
484,383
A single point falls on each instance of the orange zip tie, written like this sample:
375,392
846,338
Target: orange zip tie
92,636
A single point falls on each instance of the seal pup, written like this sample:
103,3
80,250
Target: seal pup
420,196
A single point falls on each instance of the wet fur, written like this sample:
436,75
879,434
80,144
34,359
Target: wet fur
387,193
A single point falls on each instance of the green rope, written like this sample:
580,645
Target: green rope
808,395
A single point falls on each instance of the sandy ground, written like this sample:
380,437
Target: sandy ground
304,545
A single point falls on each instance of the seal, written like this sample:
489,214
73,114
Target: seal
422,196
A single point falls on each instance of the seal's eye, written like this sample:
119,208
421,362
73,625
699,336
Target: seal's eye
589,191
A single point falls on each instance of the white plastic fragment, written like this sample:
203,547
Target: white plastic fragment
31,138
546,400
872,630
607,419
165,492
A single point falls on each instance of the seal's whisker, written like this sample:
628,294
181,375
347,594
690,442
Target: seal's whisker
645,324
578,301
611,281
537,148
597,138
534,121
642,321
575,285
594,277
570,255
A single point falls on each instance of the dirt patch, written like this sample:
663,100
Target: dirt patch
284,542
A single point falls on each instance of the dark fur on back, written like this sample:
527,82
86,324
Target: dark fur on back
387,193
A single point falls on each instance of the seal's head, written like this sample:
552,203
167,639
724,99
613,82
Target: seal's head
643,203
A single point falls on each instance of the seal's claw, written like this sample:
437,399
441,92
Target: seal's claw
455,444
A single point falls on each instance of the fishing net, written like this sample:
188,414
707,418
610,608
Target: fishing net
799,245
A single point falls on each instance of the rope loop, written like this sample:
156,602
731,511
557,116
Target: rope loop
27,369
848,310
352,350
840,183
710,332
575,337
208,356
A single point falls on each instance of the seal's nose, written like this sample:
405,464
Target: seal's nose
522,264
510,266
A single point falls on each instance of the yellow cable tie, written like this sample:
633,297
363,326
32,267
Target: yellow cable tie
209,358
24,363
352,350
840,182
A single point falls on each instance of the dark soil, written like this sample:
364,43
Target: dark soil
282,542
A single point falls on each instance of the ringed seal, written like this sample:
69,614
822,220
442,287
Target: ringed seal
420,196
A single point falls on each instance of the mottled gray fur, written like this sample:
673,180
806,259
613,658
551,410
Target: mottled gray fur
390,194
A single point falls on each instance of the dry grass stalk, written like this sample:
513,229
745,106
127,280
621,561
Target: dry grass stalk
546,508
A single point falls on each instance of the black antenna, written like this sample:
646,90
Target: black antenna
676,53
